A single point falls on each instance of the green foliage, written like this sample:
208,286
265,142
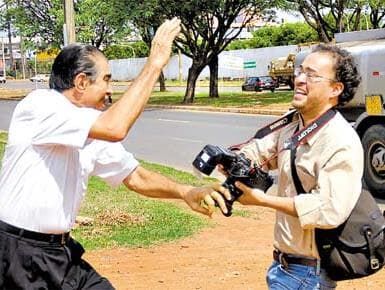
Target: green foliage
42,19
134,49
285,34
43,67
99,22
96,21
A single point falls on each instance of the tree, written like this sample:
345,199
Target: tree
377,13
284,34
42,20
96,22
147,17
330,17
206,31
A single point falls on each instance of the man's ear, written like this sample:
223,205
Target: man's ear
337,89
81,82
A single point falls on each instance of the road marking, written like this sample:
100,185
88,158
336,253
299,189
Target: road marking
186,140
175,121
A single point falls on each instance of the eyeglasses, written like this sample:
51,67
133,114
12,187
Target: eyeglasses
312,77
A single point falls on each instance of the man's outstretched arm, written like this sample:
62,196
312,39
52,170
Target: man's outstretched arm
114,123
201,199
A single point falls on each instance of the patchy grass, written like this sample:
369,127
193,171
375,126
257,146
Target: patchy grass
3,142
227,99
119,217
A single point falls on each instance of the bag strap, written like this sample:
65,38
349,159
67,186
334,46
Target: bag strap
298,138
297,183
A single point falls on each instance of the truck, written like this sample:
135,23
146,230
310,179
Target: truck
281,69
366,111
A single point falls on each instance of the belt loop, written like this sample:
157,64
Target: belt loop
282,260
63,239
21,233
318,267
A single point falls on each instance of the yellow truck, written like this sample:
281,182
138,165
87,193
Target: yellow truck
282,70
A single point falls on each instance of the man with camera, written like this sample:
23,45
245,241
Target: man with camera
327,156
57,139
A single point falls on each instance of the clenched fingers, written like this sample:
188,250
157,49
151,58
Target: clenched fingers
222,190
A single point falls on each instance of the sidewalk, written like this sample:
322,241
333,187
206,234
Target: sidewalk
276,110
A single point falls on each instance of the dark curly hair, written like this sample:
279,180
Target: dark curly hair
345,68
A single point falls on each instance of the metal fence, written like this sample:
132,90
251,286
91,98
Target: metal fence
234,64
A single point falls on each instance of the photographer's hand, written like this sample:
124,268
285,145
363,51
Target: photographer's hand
254,196
250,196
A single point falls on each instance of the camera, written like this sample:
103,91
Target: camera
237,168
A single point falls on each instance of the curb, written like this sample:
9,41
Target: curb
256,111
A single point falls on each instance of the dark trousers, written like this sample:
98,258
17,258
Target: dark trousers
31,264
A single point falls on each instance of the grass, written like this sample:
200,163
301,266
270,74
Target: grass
124,218
3,142
226,99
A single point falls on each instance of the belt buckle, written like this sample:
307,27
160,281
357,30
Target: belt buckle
282,260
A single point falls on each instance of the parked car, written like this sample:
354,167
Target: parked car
259,84
39,78
2,80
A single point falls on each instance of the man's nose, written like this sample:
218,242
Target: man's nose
301,78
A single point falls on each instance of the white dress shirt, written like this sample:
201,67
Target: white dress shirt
48,160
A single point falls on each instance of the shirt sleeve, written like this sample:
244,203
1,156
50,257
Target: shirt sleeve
260,150
110,161
337,191
57,121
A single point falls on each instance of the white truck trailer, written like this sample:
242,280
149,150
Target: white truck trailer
366,111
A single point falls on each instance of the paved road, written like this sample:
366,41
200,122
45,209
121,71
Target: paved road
175,137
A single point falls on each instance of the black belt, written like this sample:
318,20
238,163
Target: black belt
286,259
59,239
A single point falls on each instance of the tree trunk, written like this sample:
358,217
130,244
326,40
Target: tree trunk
162,83
193,74
213,66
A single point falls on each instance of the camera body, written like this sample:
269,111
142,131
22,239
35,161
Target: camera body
237,168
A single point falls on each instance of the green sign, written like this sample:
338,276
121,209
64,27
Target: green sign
249,64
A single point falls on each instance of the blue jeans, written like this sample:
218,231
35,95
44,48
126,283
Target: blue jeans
297,277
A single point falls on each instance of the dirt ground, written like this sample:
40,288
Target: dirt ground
232,255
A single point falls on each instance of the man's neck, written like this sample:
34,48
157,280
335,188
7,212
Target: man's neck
309,117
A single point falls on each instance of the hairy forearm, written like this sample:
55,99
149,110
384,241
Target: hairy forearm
283,204
152,184
259,198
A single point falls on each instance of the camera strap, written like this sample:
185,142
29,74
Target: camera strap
278,124
300,137
268,129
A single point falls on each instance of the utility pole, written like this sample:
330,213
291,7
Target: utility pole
69,19
2,48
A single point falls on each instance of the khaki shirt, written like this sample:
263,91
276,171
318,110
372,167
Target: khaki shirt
330,167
